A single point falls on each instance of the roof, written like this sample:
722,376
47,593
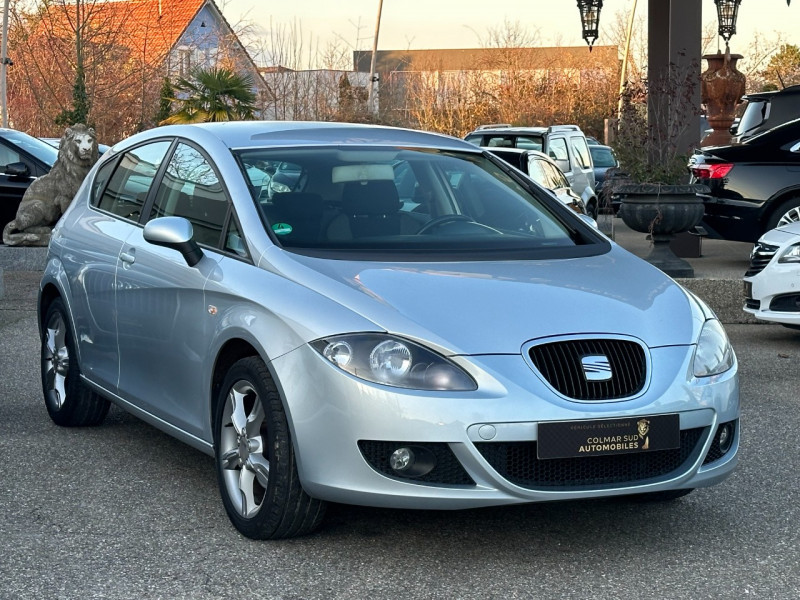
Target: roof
470,59
256,134
151,27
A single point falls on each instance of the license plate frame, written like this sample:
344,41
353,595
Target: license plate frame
605,437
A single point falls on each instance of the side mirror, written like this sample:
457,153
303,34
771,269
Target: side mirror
175,233
17,169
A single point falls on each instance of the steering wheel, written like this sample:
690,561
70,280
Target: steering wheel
434,223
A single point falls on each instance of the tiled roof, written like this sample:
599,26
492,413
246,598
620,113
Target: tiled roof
148,27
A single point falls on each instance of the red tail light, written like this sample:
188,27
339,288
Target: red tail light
716,171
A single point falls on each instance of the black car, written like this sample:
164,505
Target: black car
766,110
22,159
755,185
604,158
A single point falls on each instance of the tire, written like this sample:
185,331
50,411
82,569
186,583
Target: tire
69,401
665,496
255,459
786,212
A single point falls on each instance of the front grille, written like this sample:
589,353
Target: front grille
560,364
760,257
785,303
517,462
448,470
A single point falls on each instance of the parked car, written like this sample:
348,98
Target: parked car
23,158
766,110
565,144
770,284
593,141
755,185
539,167
603,159
338,344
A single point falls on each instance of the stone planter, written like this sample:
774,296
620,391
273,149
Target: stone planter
662,211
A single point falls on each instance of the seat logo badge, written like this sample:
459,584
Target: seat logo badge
596,367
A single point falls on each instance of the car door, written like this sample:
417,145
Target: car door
12,183
162,317
90,255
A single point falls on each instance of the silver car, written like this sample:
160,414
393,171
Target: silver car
460,340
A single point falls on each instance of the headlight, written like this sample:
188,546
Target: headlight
278,187
791,254
714,353
393,361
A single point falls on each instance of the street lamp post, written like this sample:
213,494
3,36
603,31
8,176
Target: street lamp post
372,77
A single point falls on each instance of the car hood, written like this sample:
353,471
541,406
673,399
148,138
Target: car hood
496,307
782,235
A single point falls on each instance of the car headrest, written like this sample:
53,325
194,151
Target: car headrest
377,197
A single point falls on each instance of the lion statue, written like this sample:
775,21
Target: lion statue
49,196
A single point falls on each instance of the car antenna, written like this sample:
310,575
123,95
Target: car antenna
778,73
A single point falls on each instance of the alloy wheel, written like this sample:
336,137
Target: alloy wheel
242,443
790,216
55,360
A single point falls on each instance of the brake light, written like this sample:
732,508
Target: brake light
716,171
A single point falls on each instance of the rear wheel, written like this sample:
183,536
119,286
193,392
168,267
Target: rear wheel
255,459
786,212
70,402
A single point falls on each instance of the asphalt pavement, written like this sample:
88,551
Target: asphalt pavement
123,511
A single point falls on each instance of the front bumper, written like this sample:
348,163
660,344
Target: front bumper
773,295
343,429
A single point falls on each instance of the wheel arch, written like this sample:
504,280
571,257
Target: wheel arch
776,202
231,351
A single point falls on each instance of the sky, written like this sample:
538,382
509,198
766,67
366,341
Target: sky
429,24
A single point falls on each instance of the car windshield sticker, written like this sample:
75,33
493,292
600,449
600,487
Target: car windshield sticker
282,229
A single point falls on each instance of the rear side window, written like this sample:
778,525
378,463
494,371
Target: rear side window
558,149
130,183
192,189
753,116
581,149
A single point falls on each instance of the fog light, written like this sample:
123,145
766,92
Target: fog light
725,437
412,461
402,459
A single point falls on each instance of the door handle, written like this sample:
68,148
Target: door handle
127,258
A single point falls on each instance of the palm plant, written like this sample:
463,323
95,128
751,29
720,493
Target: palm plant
216,94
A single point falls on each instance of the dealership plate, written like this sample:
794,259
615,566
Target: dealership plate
574,439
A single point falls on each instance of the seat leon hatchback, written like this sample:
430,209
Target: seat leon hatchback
414,324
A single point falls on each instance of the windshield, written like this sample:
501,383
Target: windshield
404,200
34,146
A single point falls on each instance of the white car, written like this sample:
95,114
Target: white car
772,283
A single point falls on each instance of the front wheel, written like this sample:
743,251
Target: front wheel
786,212
70,402
255,459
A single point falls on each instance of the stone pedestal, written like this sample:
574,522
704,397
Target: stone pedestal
721,89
